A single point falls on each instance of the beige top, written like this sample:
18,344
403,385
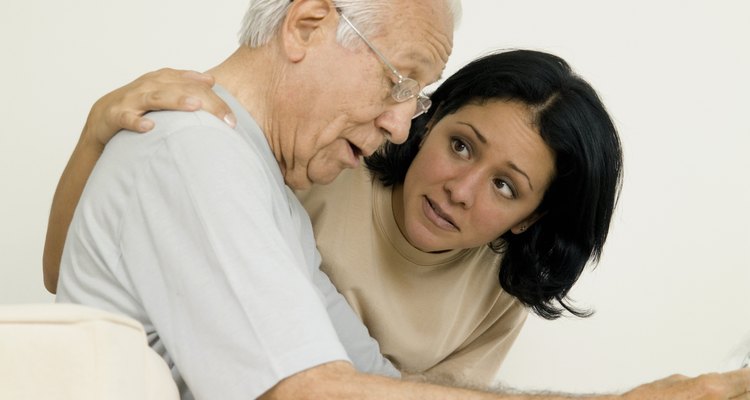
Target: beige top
441,314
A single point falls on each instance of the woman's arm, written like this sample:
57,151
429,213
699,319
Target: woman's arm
124,108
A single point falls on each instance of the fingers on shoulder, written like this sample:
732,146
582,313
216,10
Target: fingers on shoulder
182,90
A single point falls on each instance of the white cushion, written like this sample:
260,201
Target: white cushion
66,351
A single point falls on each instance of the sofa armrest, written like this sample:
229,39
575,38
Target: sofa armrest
66,351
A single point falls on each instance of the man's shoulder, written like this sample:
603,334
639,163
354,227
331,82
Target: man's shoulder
169,122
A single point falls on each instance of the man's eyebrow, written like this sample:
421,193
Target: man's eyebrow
512,165
425,64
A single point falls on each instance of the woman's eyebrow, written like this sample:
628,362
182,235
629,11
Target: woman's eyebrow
520,171
479,135
512,165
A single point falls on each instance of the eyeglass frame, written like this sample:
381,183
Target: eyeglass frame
401,90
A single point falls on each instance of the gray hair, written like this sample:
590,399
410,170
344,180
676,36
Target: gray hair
264,17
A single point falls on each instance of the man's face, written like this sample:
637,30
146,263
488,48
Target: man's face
351,112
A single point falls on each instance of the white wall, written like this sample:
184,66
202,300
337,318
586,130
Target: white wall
672,289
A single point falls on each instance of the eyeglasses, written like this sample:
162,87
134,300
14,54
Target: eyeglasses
406,88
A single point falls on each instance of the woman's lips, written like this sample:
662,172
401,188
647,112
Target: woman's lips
437,216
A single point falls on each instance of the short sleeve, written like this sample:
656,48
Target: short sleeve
208,251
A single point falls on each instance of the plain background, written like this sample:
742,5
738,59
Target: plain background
672,289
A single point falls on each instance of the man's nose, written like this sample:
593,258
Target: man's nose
395,121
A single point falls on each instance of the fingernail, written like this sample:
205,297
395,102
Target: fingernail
145,125
230,120
192,102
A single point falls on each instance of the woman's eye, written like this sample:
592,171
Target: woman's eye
504,188
460,148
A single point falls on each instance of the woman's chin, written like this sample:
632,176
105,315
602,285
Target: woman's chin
425,241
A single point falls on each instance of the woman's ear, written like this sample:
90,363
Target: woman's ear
522,226
305,24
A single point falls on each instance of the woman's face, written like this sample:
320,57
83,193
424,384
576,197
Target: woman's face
480,172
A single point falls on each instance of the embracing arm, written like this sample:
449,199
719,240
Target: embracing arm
124,108
64,202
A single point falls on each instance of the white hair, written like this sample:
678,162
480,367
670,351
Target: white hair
264,17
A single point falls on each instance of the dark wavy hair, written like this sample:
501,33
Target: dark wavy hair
540,265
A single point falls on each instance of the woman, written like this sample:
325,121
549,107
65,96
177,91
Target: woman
502,194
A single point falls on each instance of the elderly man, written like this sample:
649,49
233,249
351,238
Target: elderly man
193,231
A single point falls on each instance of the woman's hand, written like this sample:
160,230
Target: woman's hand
165,89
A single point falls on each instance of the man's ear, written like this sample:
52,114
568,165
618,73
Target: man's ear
306,23
522,226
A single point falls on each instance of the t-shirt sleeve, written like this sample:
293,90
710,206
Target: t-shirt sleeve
205,252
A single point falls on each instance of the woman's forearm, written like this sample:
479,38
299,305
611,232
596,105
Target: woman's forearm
68,192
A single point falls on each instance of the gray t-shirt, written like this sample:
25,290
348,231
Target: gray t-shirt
191,230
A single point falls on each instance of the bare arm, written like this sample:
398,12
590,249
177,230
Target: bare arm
123,108
338,380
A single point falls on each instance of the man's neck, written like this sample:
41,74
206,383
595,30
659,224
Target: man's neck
248,75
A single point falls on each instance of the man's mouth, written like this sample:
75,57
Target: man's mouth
355,150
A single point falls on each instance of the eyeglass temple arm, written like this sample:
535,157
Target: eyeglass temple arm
367,42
